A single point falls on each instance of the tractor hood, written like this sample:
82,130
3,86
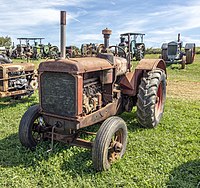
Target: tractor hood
18,67
75,65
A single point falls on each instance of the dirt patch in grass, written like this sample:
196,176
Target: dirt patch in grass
183,90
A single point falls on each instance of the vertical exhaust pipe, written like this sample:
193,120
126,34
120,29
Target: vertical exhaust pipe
179,37
63,33
179,41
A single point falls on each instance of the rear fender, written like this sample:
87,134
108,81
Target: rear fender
131,81
151,64
164,46
189,46
146,65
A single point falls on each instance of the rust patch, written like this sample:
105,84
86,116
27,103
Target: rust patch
75,65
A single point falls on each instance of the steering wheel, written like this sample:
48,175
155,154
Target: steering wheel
116,53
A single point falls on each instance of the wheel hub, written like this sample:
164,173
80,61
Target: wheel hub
157,99
158,106
117,147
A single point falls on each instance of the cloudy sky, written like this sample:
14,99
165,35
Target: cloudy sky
160,20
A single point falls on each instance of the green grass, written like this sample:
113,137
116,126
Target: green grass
36,62
190,73
167,156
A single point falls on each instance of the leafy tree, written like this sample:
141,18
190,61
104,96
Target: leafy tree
5,41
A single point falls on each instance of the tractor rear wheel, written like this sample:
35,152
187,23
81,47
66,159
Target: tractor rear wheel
140,52
138,55
30,129
110,143
151,98
190,53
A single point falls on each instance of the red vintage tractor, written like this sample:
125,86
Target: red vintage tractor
79,92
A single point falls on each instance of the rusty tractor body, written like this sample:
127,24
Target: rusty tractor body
17,80
133,44
172,53
75,93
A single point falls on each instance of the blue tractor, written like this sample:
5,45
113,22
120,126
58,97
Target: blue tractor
172,53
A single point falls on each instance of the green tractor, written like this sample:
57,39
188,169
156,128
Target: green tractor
50,51
133,43
37,51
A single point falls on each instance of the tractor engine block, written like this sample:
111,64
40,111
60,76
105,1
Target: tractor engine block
18,81
92,97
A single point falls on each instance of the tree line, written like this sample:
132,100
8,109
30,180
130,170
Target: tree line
5,41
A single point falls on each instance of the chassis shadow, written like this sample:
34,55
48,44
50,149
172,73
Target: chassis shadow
131,120
185,175
9,102
14,154
175,66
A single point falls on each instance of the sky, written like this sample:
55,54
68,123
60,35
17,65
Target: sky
160,20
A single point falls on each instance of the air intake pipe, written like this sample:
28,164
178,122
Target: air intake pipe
106,34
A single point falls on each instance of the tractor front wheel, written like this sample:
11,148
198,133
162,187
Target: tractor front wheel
110,143
183,62
30,128
164,55
151,98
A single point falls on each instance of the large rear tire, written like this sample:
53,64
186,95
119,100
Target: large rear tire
110,143
190,53
151,98
29,128
139,55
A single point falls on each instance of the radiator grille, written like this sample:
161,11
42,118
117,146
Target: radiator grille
58,93
172,50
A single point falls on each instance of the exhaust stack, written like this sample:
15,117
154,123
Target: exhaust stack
63,33
106,34
179,37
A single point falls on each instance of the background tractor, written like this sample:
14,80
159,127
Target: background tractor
17,79
26,50
133,44
4,59
72,51
172,52
37,50
75,93
49,51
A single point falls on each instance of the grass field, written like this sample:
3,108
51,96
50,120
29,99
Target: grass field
167,156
